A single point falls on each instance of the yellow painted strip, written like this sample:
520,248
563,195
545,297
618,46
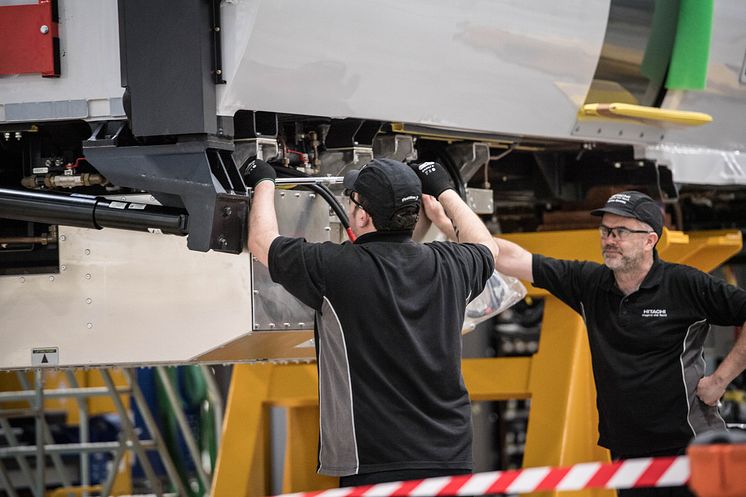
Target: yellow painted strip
630,111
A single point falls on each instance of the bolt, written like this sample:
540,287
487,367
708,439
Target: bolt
312,195
222,242
87,251
88,276
327,228
640,163
22,279
63,268
227,211
218,72
63,238
217,28
18,135
286,325
89,326
271,325
51,278
617,165
88,301
44,29
7,136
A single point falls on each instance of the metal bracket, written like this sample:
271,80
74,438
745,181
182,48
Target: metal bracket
397,147
469,157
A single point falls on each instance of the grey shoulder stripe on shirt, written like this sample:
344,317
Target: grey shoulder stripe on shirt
338,452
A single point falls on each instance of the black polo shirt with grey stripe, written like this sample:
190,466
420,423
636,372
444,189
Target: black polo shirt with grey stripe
389,313
646,347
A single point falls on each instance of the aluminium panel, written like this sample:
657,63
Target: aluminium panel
515,67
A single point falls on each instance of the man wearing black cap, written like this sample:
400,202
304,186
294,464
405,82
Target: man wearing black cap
647,321
389,313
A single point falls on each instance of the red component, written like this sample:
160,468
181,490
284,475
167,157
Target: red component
29,39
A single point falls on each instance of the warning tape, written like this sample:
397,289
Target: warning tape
629,473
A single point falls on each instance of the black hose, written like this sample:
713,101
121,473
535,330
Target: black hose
322,190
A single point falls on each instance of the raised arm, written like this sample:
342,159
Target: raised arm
467,227
262,217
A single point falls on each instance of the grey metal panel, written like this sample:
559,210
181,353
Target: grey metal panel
47,111
701,165
300,214
725,96
166,64
510,66
126,298
89,48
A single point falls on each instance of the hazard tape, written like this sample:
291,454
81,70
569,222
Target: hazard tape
629,473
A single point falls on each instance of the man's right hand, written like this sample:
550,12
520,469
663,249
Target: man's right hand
434,178
258,171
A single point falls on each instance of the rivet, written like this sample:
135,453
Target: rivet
22,279
88,301
63,238
87,251
44,29
89,326
88,276
63,268
51,278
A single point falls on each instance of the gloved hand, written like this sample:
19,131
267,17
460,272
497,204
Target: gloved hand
258,171
434,178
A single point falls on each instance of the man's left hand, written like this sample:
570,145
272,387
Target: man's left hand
709,390
258,171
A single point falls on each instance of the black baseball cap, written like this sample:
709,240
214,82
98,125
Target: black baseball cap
386,186
636,205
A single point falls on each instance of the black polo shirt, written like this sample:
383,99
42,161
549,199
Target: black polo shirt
646,347
389,313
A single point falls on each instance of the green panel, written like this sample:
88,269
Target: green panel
691,51
660,43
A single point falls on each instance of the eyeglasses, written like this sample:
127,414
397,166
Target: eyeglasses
619,232
349,194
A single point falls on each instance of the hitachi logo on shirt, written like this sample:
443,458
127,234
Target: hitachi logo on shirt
619,198
410,198
654,313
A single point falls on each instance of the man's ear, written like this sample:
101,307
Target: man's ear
653,241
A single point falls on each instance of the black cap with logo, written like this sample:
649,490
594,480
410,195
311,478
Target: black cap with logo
386,186
636,205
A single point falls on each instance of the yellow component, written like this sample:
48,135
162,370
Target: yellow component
738,396
70,491
562,426
643,113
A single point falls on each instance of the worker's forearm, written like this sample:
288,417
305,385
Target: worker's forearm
467,226
262,221
734,363
514,260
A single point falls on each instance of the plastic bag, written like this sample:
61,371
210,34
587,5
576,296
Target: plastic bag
500,293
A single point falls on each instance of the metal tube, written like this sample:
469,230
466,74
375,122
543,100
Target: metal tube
89,448
40,458
155,434
83,430
112,476
90,212
22,462
61,393
43,239
332,180
186,431
48,439
6,483
213,393
129,431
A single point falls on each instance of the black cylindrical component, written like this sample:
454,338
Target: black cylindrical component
90,212
140,217
37,207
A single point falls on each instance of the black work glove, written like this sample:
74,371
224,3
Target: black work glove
434,178
258,171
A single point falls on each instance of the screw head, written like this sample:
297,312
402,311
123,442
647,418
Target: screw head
89,326
44,29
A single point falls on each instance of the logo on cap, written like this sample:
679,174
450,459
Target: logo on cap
620,198
410,198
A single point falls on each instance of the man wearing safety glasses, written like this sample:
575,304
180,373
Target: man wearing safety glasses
647,321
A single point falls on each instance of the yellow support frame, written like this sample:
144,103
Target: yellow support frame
558,379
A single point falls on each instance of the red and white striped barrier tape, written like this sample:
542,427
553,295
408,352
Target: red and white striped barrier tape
630,473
